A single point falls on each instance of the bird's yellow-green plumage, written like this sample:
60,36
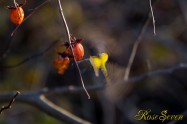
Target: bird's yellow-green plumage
99,63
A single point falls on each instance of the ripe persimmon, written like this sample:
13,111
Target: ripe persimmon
17,13
78,50
65,51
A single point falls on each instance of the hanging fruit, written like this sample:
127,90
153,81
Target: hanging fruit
61,64
77,47
16,13
78,51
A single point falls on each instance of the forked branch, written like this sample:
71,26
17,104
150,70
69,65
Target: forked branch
38,99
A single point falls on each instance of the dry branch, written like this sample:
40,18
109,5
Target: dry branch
10,103
46,106
37,98
34,56
166,71
135,46
134,50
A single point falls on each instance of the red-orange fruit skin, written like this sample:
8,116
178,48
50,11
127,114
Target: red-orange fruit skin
17,15
78,50
61,64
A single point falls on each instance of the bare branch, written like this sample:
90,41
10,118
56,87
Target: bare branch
134,49
153,18
37,99
46,106
69,40
166,71
36,56
53,110
69,89
35,9
125,87
31,57
10,103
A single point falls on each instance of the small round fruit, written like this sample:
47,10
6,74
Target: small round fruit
78,50
61,64
17,15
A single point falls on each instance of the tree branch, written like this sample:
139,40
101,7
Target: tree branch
165,71
55,111
135,46
37,99
31,57
134,50
46,106
10,103
69,89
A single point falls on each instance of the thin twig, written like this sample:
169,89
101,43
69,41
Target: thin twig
10,103
31,57
134,49
35,9
153,18
69,40
165,71
126,87
34,56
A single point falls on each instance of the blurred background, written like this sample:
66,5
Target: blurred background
110,26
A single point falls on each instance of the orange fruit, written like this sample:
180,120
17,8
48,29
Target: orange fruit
17,15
